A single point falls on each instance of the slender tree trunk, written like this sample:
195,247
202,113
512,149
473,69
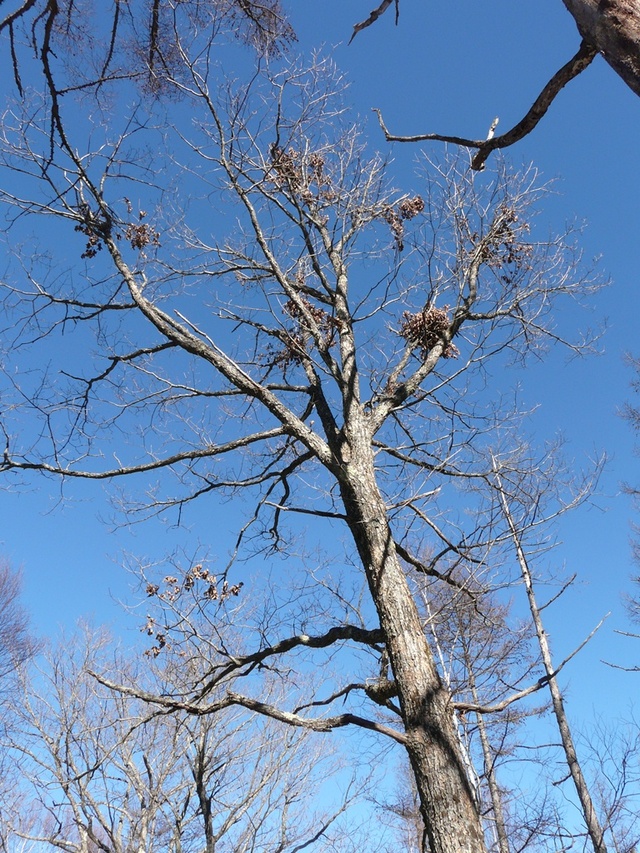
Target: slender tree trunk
613,27
447,801
594,829
489,767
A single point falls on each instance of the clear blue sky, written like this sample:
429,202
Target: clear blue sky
448,67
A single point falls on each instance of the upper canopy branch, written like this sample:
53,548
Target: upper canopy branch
611,28
374,15
575,66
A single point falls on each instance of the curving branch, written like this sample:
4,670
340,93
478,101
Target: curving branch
8,463
608,27
12,17
321,724
524,127
374,15
544,680
339,633
381,692
230,699
430,569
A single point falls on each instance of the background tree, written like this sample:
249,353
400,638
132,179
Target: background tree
101,771
632,414
138,39
16,643
613,754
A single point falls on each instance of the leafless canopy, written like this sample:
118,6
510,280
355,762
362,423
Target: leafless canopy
96,770
16,644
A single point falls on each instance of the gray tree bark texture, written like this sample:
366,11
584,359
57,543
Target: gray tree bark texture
447,801
613,27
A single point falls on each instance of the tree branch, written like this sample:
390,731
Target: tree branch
533,688
573,68
339,633
10,464
325,724
318,724
373,17
432,572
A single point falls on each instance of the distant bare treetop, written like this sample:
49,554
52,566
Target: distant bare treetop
15,643
121,47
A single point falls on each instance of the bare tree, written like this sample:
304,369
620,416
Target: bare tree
100,771
631,413
137,39
17,645
612,750
516,529
325,351
16,642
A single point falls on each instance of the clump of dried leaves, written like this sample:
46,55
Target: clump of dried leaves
507,251
207,587
396,216
426,328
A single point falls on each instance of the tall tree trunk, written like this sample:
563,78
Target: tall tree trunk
447,801
613,27
596,833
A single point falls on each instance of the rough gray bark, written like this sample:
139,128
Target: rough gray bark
613,27
447,801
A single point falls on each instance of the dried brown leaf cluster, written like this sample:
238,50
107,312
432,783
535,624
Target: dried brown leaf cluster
396,215
304,177
296,339
207,586
506,247
426,328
